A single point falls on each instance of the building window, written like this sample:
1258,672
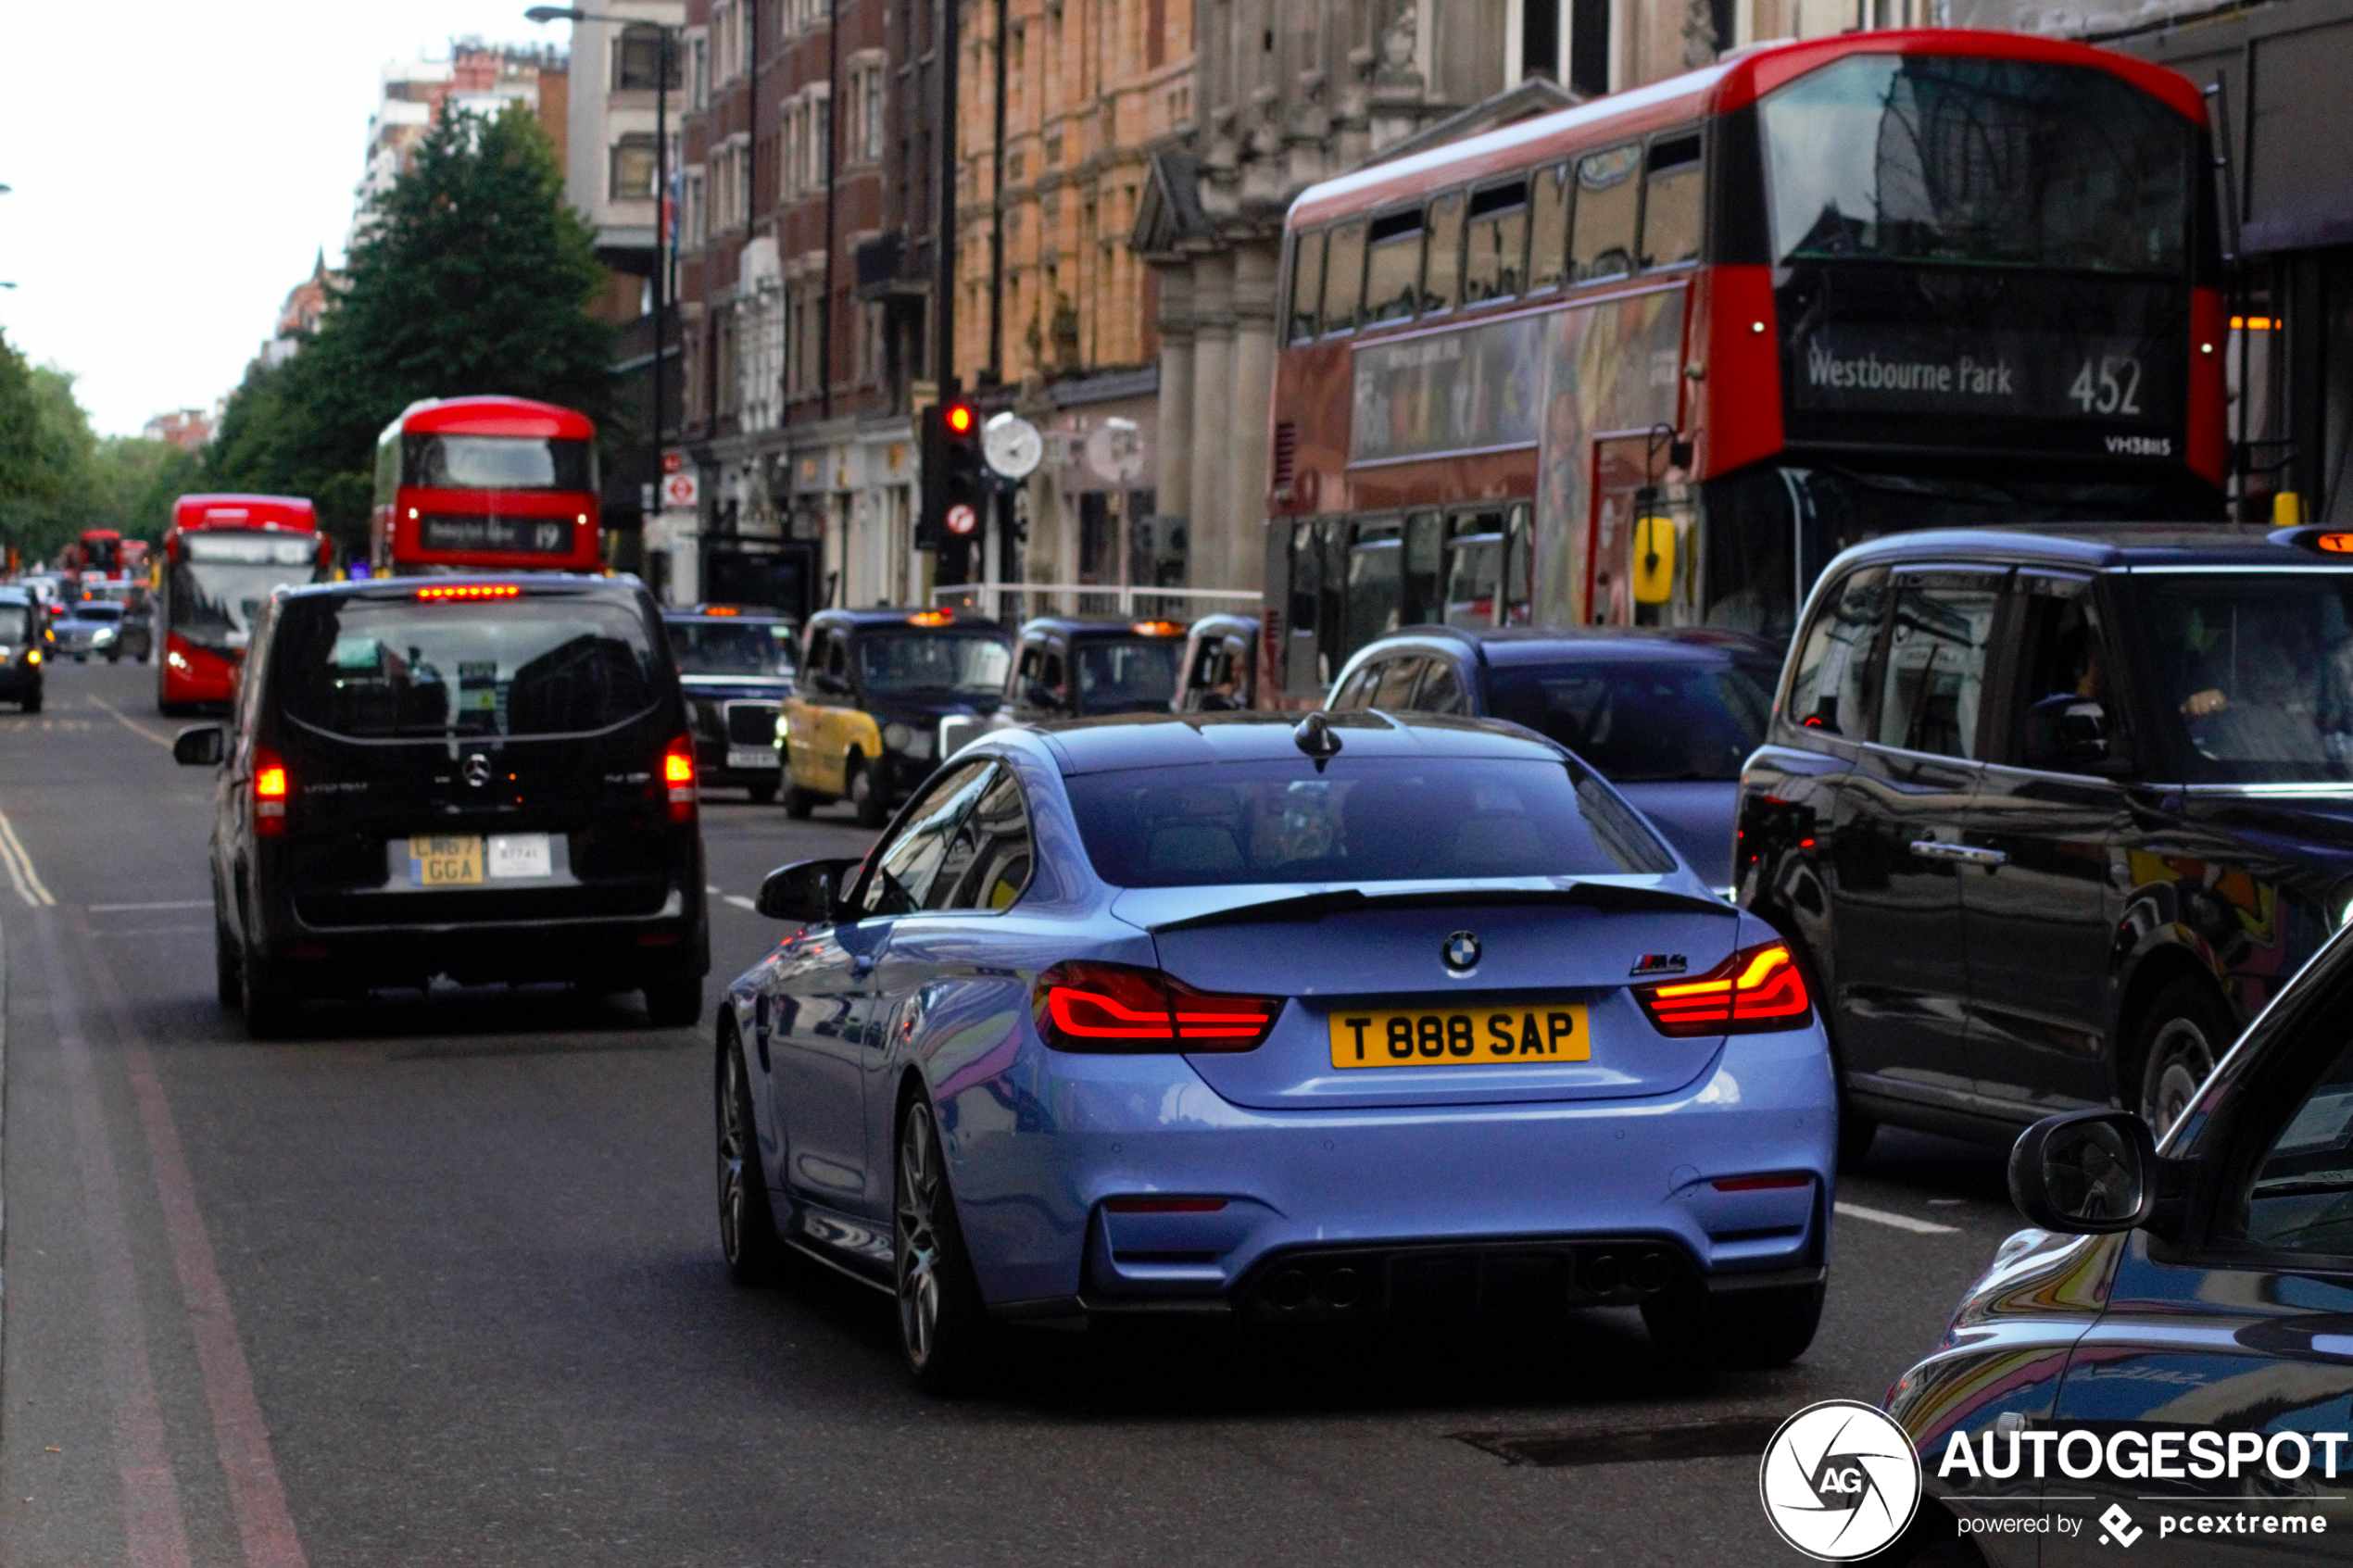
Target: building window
697,220
637,57
699,53
634,164
870,113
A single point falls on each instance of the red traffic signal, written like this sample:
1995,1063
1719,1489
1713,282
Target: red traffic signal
961,418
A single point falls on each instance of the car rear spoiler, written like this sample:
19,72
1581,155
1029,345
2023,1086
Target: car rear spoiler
1610,897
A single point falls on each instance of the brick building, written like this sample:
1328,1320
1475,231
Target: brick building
477,77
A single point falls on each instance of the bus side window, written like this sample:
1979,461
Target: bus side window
1609,199
1548,229
1672,205
1344,277
1443,267
1494,258
1393,267
1306,283
1518,569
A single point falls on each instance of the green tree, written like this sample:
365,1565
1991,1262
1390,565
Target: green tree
474,276
47,457
134,482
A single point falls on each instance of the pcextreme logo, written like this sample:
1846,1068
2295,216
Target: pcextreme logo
1839,1480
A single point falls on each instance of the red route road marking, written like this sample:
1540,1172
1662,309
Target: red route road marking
265,1528
154,1534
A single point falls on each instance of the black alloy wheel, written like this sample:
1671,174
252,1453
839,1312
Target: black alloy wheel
866,795
761,791
746,1224
2185,1033
33,703
799,803
943,1328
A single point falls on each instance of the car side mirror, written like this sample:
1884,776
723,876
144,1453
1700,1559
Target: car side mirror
824,682
2086,1172
2067,733
807,891
200,746
1038,694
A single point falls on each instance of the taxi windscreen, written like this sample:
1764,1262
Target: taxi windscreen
751,649
914,663
1379,819
1126,675
535,665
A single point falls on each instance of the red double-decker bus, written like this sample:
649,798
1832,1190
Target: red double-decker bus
504,483
1657,357
224,555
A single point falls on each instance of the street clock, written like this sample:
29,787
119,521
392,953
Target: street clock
1012,445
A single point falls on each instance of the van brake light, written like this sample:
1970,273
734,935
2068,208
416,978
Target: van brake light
678,778
271,788
1756,990
1114,1008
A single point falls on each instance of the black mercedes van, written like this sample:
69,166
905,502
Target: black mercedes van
488,779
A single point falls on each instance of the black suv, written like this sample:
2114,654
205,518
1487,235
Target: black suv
491,780
2052,815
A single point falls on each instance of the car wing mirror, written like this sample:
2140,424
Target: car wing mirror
807,891
2067,733
200,746
2092,1172
1038,694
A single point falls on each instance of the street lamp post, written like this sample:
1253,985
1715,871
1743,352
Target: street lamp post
662,34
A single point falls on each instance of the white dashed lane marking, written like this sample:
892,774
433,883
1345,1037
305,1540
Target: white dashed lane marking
1898,1222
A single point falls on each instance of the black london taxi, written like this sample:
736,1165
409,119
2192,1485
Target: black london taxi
736,664
1667,715
489,779
1087,667
2051,814
24,644
1220,670
863,722
2167,1355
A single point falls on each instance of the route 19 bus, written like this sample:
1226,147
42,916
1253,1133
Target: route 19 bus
502,484
1655,359
223,557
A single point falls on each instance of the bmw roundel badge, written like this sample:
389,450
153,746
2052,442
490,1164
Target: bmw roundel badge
1461,951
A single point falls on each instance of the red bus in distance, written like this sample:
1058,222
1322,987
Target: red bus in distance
502,484
223,557
1655,359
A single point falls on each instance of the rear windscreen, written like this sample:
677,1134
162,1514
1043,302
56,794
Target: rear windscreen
538,665
19,624
1640,722
1126,675
1379,819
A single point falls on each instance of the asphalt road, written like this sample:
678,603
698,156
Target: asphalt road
438,1283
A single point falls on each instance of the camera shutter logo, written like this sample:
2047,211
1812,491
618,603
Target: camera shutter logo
1839,1480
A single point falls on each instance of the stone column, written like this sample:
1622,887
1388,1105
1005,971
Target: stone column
1252,397
1173,461
1214,432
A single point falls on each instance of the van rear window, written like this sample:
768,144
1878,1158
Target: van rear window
535,665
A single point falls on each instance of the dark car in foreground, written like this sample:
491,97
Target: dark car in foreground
1361,1020
2165,1363
24,646
736,667
2051,815
1667,715
488,779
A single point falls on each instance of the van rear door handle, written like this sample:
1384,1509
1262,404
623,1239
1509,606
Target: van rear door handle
1959,854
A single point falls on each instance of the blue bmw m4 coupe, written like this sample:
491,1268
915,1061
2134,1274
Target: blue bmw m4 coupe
1357,1019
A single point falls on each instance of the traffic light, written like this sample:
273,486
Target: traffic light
955,495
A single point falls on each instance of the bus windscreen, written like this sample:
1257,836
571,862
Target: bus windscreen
220,581
498,462
1979,161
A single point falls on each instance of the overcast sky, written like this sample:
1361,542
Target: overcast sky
175,168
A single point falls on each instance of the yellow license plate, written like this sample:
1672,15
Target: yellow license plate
453,861
1461,1037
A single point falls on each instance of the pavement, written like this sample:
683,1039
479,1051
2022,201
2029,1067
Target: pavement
438,1282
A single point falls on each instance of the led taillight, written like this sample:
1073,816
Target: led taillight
1754,990
271,788
678,778
1119,1008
